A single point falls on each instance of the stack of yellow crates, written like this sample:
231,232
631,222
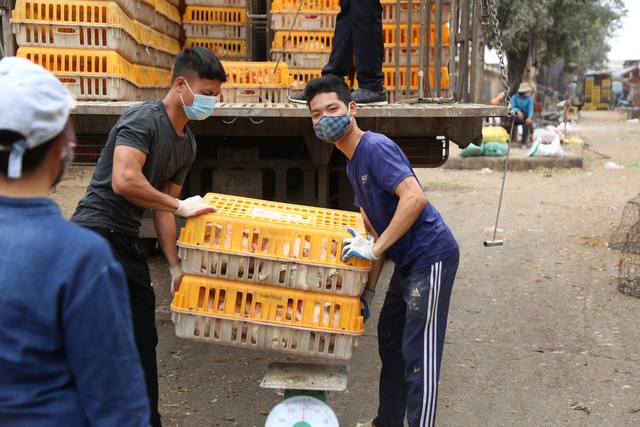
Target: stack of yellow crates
405,51
303,36
268,275
120,50
220,25
256,82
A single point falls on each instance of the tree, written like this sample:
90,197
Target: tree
539,32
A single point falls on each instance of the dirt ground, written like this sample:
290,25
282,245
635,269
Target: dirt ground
538,333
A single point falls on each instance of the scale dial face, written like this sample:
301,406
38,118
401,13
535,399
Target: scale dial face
302,411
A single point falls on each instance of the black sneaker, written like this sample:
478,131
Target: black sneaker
298,98
369,97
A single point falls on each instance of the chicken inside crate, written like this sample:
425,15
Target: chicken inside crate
266,317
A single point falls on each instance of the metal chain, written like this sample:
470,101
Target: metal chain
500,51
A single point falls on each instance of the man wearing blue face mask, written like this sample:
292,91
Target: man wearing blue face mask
143,166
406,228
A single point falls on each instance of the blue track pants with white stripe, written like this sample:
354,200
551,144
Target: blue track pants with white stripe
411,331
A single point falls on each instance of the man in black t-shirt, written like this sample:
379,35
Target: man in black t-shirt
143,166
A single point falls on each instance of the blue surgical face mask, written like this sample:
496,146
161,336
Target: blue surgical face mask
202,106
332,128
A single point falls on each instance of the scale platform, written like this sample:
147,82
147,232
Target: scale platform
305,376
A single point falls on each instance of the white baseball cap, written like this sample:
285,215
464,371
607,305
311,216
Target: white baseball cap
33,103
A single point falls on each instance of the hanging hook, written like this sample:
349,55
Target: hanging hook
255,122
230,122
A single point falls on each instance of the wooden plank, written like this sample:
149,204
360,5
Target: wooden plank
257,111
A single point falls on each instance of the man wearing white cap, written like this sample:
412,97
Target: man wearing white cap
68,355
522,105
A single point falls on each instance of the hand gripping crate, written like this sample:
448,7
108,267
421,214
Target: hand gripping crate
99,75
256,82
215,22
97,25
267,318
272,243
302,49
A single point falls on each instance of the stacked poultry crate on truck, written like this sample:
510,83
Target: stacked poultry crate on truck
303,38
102,50
269,275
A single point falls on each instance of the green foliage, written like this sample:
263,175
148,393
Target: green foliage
575,30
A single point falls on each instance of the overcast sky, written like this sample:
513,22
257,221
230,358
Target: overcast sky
627,44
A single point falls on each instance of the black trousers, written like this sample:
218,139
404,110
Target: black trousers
525,127
130,253
358,31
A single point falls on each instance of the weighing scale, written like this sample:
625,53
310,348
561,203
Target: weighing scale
306,386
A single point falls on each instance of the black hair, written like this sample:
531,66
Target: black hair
328,84
201,61
31,159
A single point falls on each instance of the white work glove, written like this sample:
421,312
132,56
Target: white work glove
358,246
193,206
176,277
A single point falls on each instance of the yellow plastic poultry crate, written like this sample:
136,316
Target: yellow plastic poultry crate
167,19
267,318
215,22
99,75
253,74
273,230
303,49
404,55
390,38
254,95
71,11
223,48
217,3
390,77
301,76
101,25
390,13
307,5
273,272
303,41
306,20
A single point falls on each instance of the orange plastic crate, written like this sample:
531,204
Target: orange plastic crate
215,15
390,77
390,14
303,41
223,48
303,21
257,74
307,5
215,22
302,76
389,35
99,74
273,230
267,318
